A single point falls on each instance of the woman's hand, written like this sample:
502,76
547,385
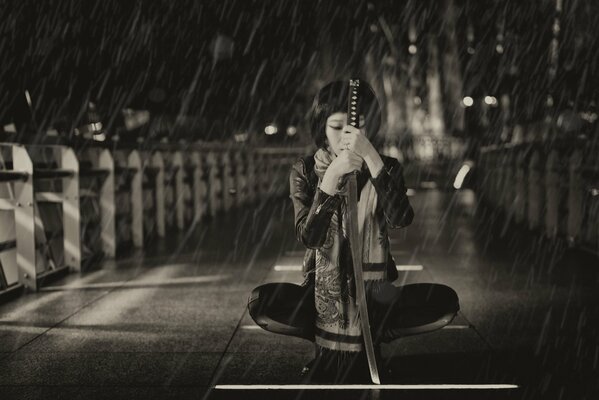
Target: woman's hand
345,163
354,140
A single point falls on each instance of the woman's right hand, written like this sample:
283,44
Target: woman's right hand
345,163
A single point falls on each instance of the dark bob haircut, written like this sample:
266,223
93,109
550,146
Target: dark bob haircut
333,98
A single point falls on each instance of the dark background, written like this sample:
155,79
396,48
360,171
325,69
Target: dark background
162,56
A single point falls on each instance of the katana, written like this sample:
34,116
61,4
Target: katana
353,119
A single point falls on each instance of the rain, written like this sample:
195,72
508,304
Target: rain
174,222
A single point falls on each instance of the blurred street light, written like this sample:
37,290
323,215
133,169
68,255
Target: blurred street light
291,130
271,129
491,100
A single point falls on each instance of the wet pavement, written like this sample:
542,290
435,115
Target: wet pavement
172,322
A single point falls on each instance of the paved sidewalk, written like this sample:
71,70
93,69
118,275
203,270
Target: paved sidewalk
172,324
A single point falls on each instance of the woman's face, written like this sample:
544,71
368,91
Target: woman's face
334,130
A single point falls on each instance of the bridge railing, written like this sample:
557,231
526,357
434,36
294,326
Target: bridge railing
62,208
551,189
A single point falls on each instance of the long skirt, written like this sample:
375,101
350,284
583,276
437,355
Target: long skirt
288,309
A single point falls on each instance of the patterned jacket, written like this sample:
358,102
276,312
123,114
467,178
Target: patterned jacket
314,208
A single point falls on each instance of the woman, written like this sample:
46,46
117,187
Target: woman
323,310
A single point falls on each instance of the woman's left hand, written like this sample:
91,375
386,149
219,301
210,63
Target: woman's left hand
353,139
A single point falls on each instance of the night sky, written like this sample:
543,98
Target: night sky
226,66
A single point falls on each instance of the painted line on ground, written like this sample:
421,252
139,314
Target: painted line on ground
251,328
140,283
456,327
297,268
416,267
300,253
448,386
258,328
287,268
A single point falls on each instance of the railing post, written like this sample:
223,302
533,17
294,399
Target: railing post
137,232
241,178
251,176
25,219
107,205
228,182
178,192
215,185
198,187
156,161
71,217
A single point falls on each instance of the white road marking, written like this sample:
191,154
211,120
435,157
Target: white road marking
251,328
257,328
410,267
142,283
287,268
456,327
449,386
300,253
292,268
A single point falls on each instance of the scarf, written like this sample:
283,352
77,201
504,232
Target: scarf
337,319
